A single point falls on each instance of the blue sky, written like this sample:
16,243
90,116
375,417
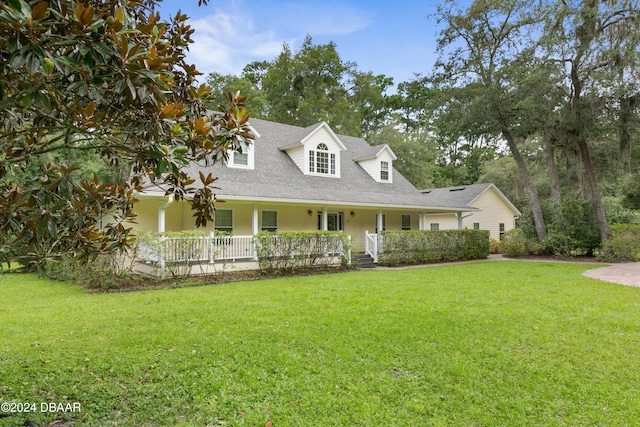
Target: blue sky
394,38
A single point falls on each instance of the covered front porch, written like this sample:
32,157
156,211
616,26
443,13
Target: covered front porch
246,218
212,253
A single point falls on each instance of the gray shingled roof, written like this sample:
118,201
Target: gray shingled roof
292,138
368,153
276,177
461,195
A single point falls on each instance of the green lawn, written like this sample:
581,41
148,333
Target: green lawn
480,344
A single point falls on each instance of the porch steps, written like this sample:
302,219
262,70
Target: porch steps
364,260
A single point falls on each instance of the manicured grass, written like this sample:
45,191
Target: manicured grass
480,344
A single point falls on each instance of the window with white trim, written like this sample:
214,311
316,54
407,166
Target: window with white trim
270,221
476,226
384,171
321,161
224,220
243,158
406,222
434,226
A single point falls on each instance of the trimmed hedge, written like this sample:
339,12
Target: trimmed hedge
423,247
294,250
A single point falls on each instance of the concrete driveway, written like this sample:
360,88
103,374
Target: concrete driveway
622,274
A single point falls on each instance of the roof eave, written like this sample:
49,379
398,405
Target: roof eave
343,203
236,198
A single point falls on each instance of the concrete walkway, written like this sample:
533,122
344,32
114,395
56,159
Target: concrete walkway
622,274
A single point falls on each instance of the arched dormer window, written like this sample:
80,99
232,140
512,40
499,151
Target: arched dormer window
321,161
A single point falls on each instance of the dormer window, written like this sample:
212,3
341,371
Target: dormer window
243,159
315,150
377,161
322,161
384,171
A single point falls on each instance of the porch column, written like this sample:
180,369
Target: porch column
421,221
254,222
379,222
255,229
325,221
161,214
459,215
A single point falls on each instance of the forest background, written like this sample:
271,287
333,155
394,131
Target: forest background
540,98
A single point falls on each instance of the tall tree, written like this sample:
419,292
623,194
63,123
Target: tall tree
483,52
110,78
595,44
416,152
315,84
225,83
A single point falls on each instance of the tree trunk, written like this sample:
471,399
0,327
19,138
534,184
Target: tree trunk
578,106
626,113
549,152
532,191
596,197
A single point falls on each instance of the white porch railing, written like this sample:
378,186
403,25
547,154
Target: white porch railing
197,249
232,247
212,248
371,245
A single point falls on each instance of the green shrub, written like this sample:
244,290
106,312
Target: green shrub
558,244
575,220
623,245
107,271
175,252
516,244
422,247
579,223
294,250
496,247
618,213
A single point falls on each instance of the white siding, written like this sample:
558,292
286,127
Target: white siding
494,211
446,221
385,156
372,167
322,136
300,154
297,154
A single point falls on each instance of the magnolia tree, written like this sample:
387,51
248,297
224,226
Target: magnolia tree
107,77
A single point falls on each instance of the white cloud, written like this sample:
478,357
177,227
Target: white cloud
228,39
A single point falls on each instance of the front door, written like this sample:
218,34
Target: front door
335,221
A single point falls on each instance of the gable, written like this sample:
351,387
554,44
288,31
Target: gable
315,150
377,161
493,199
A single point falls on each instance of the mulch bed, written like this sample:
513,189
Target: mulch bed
578,258
141,283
